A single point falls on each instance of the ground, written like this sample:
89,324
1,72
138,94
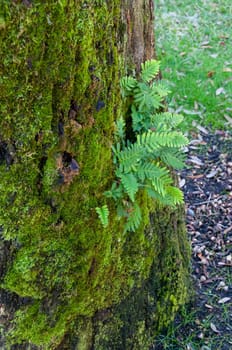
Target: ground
193,41
207,184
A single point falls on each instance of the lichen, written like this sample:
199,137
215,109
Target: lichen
61,70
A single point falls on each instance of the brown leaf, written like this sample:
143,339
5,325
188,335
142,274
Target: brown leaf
210,74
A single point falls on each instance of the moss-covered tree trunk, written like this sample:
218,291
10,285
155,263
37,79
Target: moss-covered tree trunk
74,284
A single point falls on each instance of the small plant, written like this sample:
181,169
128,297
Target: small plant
144,163
103,214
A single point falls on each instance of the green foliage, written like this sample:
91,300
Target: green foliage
103,214
145,163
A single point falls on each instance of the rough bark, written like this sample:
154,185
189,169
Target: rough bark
74,284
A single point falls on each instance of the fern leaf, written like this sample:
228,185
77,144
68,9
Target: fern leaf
173,158
153,140
120,130
130,185
160,89
145,99
173,196
150,171
160,183
168,119
134,218
127,85
130,157
103,214
149,70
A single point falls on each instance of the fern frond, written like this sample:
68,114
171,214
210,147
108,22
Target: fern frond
134,218
159,88
150,171
120,130
127,85
130,185
159,184
145,99
103,214
116,192
168,119
149,70
130,157
173,158
173,196
153,140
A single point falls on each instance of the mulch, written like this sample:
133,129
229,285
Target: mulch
207,185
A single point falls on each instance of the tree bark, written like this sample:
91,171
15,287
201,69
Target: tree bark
67,283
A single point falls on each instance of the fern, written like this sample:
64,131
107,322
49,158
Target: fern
145,98
130,185
120,131
145,162
149,70
134,218
130,157
173,158
167,119
160,89
103,214
127,85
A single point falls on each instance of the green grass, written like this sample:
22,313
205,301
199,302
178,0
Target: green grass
193,41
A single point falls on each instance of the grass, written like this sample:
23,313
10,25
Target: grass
193,41
194,44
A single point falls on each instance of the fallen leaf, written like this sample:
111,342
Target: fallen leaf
228,118
213,327
182,183
220,91
212,174
209,306
204,261
227,70
196,160
223,300
205,43
210,74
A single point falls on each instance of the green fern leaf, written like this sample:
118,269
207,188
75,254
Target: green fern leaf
149,70
150,171
130,185
130,157
160,89
173,158
127,85
160,184
173,196
120,130
134,218
153,140
103,214
145,99
166,119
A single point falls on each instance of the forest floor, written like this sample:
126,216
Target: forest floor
194,46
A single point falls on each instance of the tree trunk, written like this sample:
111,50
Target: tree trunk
74,284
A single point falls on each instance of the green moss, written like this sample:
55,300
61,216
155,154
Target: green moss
57,57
